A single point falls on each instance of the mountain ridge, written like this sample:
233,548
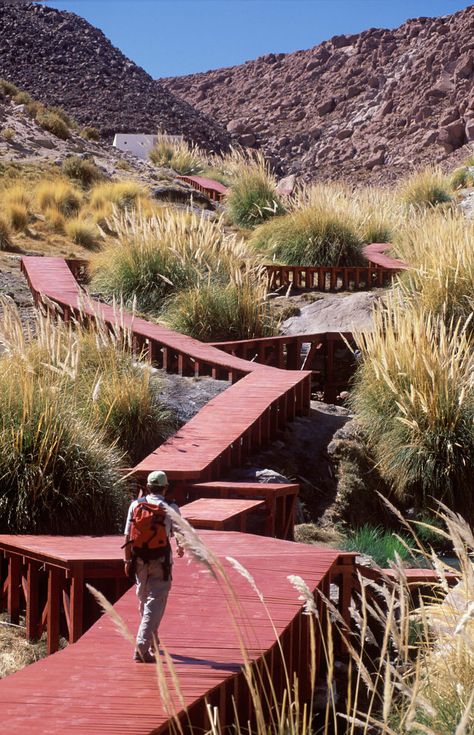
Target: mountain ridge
367,105
61,59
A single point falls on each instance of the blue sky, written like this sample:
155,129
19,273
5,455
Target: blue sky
174,37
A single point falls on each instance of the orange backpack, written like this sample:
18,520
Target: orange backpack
148,535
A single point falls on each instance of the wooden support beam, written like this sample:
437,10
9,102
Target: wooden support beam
33,622
54,598
13,590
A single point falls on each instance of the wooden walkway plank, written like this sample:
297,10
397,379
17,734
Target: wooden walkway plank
93,686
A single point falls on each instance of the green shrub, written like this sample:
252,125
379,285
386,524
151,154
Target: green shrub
58,476
154,257
414,397
252,198
53,123
310,236
425,189
462,178
82,233
82,170
90,133
177,154
212,313
379,544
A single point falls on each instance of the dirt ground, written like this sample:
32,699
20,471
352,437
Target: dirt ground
15,651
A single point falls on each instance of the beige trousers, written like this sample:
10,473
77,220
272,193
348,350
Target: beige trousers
152,593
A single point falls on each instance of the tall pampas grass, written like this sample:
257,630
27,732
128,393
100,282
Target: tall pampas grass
414,395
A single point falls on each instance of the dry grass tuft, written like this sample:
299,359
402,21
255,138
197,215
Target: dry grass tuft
60,196
181,156
82,233
15,651
74,405
414,395
439,246
427,188
5,235
120,194
252,198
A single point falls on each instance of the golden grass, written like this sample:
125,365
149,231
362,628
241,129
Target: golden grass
121,194
181,156
427,188
372,212
82,232
15,651
439,246
155,256
414,395
5,234
58,195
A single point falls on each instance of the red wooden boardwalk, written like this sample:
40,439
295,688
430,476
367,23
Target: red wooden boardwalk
94,686
220,514
213,189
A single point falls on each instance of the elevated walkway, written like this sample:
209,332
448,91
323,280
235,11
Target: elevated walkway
93,686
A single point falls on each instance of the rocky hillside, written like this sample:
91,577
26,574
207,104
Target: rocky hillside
60,59
367,105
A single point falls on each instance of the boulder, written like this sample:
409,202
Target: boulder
344,133
469,130
247,139
286,186
236,126
452,136
464,66
327,106
376,159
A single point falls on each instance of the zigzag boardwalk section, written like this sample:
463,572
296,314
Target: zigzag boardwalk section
239,421
93,686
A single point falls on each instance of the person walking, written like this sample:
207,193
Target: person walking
148,557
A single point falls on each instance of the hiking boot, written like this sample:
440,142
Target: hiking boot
144,658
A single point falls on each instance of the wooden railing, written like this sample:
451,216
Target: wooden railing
328,356
328,279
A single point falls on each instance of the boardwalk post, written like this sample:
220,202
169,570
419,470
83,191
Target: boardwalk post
54,597
13,591
76,603
32,601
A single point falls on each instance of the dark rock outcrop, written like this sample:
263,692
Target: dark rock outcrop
60,59
369,105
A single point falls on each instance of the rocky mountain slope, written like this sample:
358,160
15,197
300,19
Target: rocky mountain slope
367,105
60,59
